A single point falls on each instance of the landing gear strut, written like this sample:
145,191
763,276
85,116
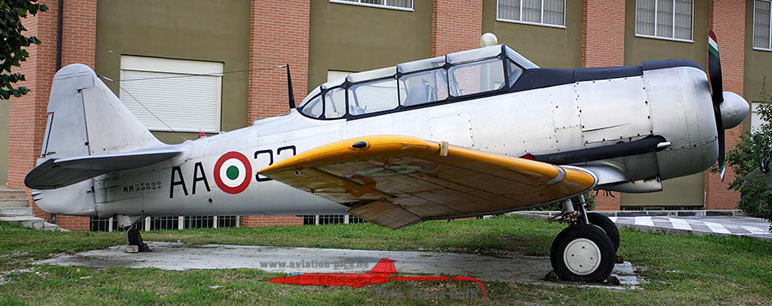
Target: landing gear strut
134,239
586,249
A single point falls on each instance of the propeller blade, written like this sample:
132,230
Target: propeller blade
714,69
714,74
721,143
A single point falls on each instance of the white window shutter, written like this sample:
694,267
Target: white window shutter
172,95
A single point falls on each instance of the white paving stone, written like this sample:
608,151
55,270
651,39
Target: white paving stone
644,221
680,224
716,227
756,231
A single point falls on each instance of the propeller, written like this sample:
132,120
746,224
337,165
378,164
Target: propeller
714,74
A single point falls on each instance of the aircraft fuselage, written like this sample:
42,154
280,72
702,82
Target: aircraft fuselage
217,175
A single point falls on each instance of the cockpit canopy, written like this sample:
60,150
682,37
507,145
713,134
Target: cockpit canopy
446,78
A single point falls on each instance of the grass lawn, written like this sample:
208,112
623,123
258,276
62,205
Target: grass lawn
679,269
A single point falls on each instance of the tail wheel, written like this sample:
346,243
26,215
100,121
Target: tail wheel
607,226
582,252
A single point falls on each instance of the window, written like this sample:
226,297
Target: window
313,108
372,97
424,87
392,4
514,72
477,77
669,19
762,25
540,12
756,121
170,94
335,103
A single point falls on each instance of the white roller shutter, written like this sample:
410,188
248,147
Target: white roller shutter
333,75
171,94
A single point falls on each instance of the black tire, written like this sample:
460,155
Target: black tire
577,236
607,226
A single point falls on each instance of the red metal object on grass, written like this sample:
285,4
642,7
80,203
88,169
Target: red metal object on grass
381,273
378,275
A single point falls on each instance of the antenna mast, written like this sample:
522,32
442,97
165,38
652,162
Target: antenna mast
289,88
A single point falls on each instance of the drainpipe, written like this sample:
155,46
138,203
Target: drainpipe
59,26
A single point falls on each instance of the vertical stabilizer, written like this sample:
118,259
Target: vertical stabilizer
89,133
86,118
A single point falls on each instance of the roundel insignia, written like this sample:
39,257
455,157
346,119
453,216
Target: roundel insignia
232,172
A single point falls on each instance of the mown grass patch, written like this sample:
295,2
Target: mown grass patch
679,269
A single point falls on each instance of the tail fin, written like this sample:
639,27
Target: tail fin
86,118
384,266
89,132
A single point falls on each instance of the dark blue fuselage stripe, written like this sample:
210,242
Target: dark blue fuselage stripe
548,77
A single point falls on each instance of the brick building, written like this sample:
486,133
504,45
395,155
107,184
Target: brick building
124,40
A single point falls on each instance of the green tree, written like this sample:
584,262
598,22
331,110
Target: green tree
12,52
745,160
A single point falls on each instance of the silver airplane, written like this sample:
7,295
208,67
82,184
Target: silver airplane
472,133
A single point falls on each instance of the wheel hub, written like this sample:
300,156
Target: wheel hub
582,256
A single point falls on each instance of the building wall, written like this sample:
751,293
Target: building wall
728,18
316,36
603,34
4,112
639,49
346,37
271,220
278,36
181,29
456,26
758,64
544,46
28,122
688,190
602,44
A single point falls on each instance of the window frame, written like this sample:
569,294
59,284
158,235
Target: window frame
656,3
383,6
753,35
549,25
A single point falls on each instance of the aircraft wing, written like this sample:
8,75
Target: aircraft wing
395,181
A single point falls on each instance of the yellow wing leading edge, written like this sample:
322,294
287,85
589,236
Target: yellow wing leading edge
396,181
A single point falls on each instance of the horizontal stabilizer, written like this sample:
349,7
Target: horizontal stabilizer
56,173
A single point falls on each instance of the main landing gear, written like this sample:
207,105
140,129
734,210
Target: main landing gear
134,240
586,249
